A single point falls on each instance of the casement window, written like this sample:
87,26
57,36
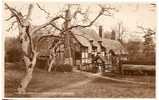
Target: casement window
103,53
94,50
85,55
103,50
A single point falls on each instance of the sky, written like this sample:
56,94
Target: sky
130,14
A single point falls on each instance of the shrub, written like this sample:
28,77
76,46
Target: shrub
62,68
41,63
13,51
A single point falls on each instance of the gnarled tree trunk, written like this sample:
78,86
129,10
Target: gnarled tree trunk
30,64
53,54
51,64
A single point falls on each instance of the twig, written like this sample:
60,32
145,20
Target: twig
48,14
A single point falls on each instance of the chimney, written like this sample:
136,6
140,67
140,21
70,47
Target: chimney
100,31
113,35
100,46
91,42
100,42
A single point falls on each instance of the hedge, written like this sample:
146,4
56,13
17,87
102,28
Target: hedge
62,68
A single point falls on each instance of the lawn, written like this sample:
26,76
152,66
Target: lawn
42,80
76,84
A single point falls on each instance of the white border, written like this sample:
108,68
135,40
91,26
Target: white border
74,1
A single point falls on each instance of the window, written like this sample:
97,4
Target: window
94,50
85,55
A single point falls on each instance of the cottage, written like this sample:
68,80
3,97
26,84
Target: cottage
92,45
86,45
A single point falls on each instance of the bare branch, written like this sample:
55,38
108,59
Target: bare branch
29,11
103,9
54,25
78,11
57,44
11,27
46,24
48,14
83,26
53,43
9,18
14,13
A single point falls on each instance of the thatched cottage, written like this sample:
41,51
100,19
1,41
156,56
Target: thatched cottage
86,45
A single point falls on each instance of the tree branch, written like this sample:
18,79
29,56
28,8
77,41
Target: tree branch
44,25
91,23
83,26
9,18
53,25
29,11
14,13
48,36
48,14
11,27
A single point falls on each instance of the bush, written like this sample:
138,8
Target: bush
41,63
62,68
140,62
13,51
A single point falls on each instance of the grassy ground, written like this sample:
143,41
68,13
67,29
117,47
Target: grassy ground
73,84
42,80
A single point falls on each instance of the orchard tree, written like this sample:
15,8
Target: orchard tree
26,32
28,47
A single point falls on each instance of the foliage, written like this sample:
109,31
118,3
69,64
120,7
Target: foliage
13,51
137,55
149,45
62,68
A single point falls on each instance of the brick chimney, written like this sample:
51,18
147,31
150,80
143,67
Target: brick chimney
113,35
100,31
100,46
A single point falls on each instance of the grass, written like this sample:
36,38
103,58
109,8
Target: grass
73,84
42,80
113,90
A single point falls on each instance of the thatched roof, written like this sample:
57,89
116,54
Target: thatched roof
114,45
85,35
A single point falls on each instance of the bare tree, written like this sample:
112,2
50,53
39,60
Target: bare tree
120,29
30,48
66,30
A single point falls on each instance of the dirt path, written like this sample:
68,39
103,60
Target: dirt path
114,79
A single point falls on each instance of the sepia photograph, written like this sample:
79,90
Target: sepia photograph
79,50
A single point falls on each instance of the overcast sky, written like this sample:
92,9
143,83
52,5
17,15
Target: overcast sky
130,15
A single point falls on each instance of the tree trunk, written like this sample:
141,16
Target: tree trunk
68,51
30,64
67,43
51,64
